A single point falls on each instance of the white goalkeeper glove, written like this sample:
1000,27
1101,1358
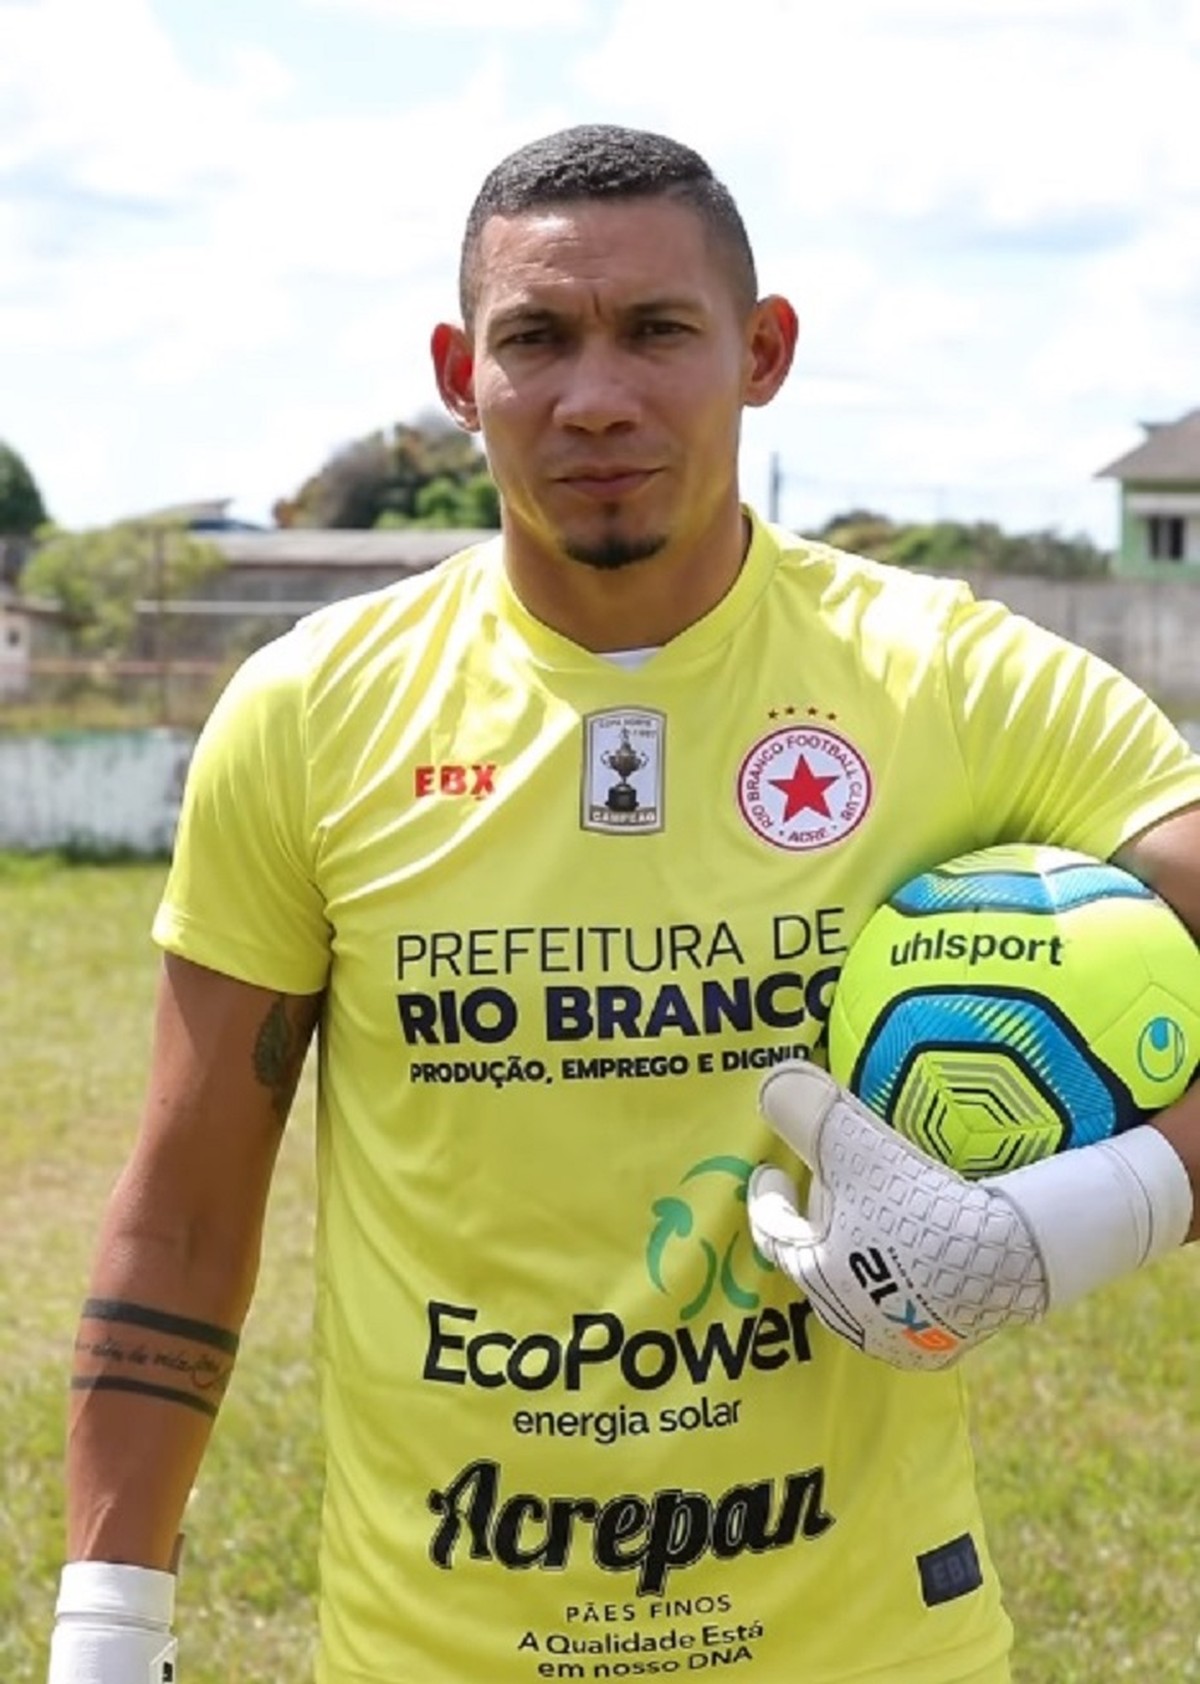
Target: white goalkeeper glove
113,1626
914,1264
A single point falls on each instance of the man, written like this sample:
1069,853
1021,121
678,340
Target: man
561,845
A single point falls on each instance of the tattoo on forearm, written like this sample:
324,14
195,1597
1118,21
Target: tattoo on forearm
160,1321
126,1347
142,1388
279,1050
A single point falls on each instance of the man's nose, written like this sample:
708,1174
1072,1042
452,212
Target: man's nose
599,391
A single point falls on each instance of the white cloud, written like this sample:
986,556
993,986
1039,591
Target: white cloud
988,215
1133,324
178,231
106,98
912,108
465,14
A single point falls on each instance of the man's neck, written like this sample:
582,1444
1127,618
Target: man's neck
643,604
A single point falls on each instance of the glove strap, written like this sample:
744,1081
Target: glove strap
1099,1213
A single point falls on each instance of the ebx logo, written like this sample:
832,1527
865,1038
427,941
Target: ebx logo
450,778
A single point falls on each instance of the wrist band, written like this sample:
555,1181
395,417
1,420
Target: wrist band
1102,1211
109,1591
113,1626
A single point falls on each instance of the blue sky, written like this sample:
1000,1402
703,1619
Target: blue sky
226,229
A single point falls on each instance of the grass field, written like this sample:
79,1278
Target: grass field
1088,1430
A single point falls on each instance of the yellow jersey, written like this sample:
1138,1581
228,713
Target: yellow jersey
564,914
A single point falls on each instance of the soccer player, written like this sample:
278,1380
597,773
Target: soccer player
558,848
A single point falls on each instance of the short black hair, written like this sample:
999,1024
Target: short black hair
603,161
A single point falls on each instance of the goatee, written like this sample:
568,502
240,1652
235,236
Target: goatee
612,552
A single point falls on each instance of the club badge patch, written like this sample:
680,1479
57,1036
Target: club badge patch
803,787
623,753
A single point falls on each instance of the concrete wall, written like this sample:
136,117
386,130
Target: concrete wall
111,792
1150,628
98,792
115,791
1150,631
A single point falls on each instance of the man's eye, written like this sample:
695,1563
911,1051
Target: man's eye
528,336
658,327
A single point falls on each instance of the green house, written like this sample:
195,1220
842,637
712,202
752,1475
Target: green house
1160,501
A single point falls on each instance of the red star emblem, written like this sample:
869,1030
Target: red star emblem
805,788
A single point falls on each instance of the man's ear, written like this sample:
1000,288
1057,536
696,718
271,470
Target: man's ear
454,370
770,346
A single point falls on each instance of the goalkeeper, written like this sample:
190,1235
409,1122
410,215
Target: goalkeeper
552,848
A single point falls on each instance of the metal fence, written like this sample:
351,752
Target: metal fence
70,693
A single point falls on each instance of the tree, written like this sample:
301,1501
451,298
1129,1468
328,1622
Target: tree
949,546
426,473
443,503
861,531
98,578
21,508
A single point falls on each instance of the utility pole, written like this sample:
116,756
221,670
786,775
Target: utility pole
774,487
158,552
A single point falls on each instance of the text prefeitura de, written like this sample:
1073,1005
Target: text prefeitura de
565,949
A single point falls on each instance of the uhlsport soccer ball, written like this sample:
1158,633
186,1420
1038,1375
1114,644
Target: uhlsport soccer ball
1016,1002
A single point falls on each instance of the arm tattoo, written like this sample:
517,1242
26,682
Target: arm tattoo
142,1388
161,1321
133,1348
279,1050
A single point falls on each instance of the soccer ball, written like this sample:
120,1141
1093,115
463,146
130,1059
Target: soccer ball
1015,1002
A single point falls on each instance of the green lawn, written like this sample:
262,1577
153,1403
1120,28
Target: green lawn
75,1002
1088,1430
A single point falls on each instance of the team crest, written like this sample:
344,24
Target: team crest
803,787
623,770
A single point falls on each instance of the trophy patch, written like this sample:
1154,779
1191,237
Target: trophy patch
623,770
